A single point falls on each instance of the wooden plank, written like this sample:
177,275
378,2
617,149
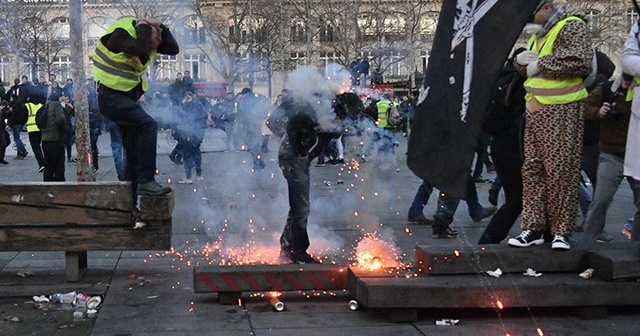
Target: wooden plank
157,208
476,291
66,202
479,259
615,264
256,278
87,238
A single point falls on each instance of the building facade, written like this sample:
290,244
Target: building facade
257,42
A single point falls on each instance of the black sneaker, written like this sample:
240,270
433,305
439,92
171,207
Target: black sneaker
560,243
320,164
4,162
446,233
153,188
440,229
527,238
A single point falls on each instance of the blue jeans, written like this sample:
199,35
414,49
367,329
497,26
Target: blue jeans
584,200
610,175
117,149
447,206
20,148
294,238
420,199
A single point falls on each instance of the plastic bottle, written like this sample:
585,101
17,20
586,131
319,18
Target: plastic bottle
63,298
81,306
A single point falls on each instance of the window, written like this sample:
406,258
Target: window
167,67
592,21
60,66
238,31
194,64
397,66
327,33
327,58
194,31
368,26
298,31
5,70
429,23
632,17
298,58
60,28
394,25
424,60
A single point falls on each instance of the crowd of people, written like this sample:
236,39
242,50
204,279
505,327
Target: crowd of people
546,123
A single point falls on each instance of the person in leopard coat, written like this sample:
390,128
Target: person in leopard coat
559,56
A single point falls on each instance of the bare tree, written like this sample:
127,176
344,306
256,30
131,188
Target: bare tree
608,23
269,34
84,170
229,38
33,33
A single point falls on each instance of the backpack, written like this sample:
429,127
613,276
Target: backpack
393,116
499,109
41,117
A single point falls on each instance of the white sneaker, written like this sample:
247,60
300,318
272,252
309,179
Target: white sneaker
199,178
185,181
560,243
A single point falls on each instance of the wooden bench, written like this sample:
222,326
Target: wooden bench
76,217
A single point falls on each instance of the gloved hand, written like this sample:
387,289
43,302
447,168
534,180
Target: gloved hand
532,69
526,57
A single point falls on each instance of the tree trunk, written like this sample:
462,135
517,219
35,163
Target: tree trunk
84,168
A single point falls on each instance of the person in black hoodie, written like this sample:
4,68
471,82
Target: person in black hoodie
54,136
5,140
505,122
303,139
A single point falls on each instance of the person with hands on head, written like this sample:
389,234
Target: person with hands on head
122,55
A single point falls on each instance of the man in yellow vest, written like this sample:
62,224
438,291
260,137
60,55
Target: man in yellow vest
121,57
34,103
559,56
388,118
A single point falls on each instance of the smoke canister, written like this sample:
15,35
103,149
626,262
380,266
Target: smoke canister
276,304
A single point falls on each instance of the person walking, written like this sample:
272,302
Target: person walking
630,60
124,52
35,103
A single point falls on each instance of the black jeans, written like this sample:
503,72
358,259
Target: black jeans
505,153
35,139
139,133
54,161
295,239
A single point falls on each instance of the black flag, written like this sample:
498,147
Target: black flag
472,42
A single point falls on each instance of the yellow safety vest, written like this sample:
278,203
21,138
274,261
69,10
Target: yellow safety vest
553,91
120,71
383,110
31,121
636,83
